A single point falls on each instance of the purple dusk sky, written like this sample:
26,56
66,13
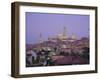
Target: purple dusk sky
49,25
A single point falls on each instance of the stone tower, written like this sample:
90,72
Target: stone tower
64,31
40,38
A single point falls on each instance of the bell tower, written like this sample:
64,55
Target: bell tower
40,38
64,32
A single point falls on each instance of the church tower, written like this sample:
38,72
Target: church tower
64,33
40,38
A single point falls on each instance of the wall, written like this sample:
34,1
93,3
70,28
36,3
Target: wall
5,40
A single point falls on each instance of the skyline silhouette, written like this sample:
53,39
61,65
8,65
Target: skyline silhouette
49,25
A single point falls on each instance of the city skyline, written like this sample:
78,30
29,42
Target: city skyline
49,25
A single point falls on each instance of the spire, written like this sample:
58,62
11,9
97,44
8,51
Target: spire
64,31
40,38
